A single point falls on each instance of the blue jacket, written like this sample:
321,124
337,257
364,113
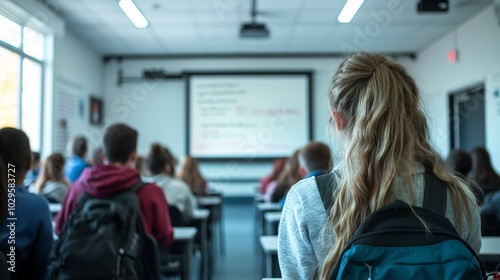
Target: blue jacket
33,230
74,167
31,177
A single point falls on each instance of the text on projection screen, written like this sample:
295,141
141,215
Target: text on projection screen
248,116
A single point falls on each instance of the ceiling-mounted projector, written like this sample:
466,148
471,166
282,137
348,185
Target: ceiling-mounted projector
254,30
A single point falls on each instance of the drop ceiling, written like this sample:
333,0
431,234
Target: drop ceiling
208,27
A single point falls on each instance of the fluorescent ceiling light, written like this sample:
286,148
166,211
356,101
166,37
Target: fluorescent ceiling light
133,13
349,10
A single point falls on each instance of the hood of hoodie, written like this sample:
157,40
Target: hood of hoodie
105,180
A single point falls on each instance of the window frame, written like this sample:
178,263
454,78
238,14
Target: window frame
22,55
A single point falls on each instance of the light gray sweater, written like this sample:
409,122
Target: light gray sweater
52,189
304,241
176,192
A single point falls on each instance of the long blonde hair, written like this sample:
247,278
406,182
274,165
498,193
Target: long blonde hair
191,175
386,135
52,170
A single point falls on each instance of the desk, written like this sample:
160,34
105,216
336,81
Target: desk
200,220
54,208
184,236
258,198
270,247
490,245
214,204
220,222
262,208
272,220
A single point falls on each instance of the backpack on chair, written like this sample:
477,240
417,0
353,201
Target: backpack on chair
104,239
392,243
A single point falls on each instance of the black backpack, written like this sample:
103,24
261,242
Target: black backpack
392,243
104,239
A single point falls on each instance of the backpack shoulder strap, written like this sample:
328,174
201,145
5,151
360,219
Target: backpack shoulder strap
326,185
435,194
137,186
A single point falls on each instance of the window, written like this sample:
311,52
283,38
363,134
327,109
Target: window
21,75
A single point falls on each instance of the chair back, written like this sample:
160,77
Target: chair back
176,217
151,248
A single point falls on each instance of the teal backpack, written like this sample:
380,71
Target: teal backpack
393,244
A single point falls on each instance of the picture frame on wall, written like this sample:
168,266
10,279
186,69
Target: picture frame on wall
96,111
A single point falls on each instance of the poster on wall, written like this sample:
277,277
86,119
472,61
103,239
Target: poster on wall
68,110
96,111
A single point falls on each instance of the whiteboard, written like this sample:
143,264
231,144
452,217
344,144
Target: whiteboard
244,116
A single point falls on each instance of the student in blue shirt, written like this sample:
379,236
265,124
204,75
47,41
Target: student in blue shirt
28,213
75,164
34,171
315,159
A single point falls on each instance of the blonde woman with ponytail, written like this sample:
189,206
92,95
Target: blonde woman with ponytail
384,151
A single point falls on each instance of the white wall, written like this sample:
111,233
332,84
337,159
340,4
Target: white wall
478,42
158,109
76,70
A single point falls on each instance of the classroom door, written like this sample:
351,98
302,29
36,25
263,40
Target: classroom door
467,124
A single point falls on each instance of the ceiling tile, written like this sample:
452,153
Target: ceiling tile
164,6
312,31
277,5
183,18
204,4
325,4
319,16
175,32
214,16
278,31
228,31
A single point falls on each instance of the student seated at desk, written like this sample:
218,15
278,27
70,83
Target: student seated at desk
314,159
288,177
34,171
51,183
97,156
190,174
117,175
159,164
461,162
483,172
33,222
75,164
490,213
277,169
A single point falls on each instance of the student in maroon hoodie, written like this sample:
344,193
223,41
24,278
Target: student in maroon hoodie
117,175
